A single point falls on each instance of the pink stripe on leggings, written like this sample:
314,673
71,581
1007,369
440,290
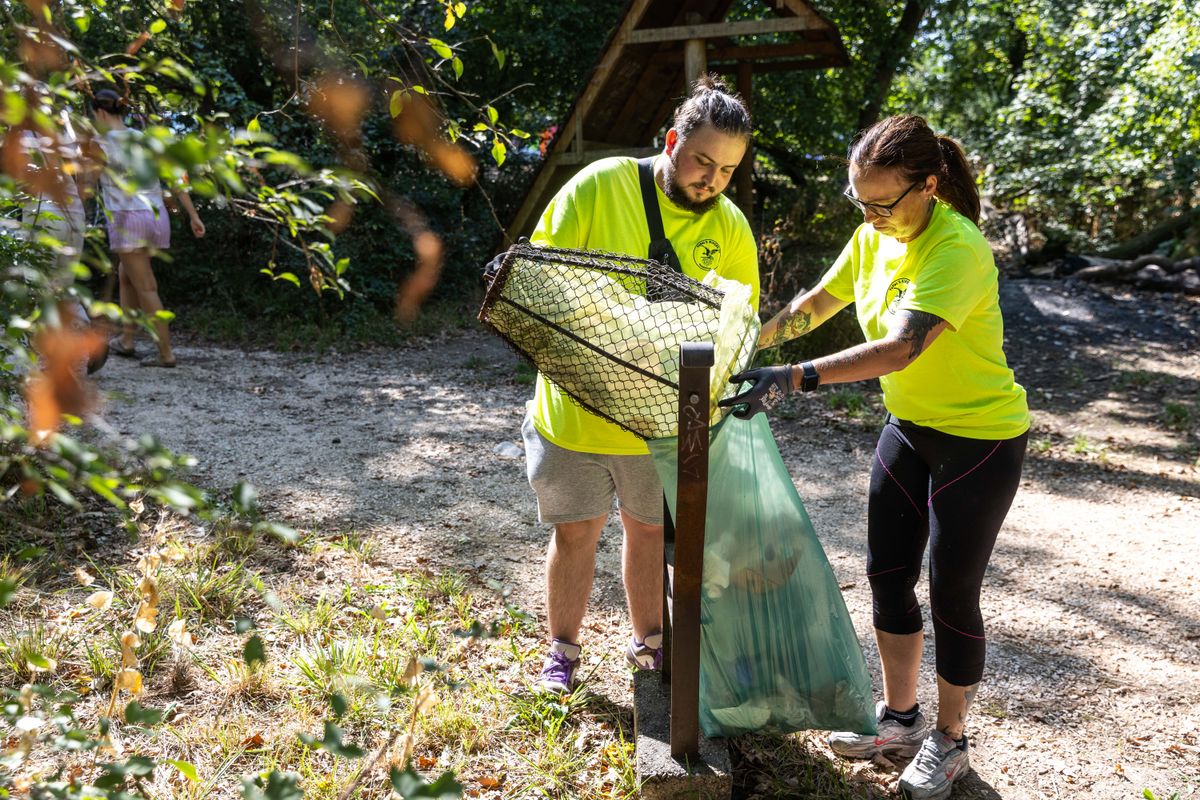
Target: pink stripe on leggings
965,474
956,630
893,477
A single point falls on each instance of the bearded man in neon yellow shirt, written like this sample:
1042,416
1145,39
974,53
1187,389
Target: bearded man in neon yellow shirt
577,461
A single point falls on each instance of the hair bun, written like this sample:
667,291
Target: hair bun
710,83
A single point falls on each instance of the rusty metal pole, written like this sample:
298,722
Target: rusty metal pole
691,505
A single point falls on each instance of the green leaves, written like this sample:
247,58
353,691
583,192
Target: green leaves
254,653
135,714
8,587
497,53
186,769
115,775
245,500
276,786
410,785
440,47
332,742
283,533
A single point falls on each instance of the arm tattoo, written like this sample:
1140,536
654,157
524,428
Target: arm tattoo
796,325
788,326
914,329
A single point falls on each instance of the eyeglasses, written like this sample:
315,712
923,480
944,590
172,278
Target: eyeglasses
879,209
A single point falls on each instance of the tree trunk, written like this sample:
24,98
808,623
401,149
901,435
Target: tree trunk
1147,241
1146,272
880,82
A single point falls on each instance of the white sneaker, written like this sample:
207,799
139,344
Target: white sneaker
939,763
891,739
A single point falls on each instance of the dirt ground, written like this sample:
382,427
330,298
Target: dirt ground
1092,601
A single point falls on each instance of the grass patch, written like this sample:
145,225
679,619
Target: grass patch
31,651
1178,416
475,363
354,544
214,589
395,652
1138,379
523,373
851,402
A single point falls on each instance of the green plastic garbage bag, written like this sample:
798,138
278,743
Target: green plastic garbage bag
778,652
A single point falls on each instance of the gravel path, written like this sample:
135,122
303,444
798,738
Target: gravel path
1093,596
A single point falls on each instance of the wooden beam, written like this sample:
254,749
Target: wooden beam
635,118
694,62
744,174
820,62
532,205
588,156
612,54
761,52
718,30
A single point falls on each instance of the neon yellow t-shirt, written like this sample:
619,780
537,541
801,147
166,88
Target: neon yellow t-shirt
961,384
600,208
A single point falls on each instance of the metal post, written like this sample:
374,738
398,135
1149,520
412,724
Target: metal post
691,501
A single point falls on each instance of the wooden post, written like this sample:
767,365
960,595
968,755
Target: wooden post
695,59
744,175
691,506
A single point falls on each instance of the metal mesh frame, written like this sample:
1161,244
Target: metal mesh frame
606,329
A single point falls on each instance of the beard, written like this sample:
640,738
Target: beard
677,193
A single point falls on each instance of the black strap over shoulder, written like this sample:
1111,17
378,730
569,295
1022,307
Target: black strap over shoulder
660,246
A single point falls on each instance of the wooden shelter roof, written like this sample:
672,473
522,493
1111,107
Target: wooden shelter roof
641,74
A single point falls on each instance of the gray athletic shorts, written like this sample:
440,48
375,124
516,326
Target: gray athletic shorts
572,486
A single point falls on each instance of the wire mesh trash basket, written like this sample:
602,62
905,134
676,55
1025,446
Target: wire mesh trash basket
607,328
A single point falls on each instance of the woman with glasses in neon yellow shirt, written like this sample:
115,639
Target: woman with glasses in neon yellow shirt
948,462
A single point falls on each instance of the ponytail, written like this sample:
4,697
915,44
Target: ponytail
908,143
956,184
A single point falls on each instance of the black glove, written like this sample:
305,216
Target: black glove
493,267
771,384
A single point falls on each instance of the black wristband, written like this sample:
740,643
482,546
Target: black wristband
810,379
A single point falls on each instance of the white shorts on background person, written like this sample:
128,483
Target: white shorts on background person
66,225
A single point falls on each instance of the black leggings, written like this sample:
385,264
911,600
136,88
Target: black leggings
952,492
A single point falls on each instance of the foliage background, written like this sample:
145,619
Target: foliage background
1083,117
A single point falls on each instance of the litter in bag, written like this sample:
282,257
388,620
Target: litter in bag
607,328
778,652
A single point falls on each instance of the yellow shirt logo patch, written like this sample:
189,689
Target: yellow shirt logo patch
706,254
